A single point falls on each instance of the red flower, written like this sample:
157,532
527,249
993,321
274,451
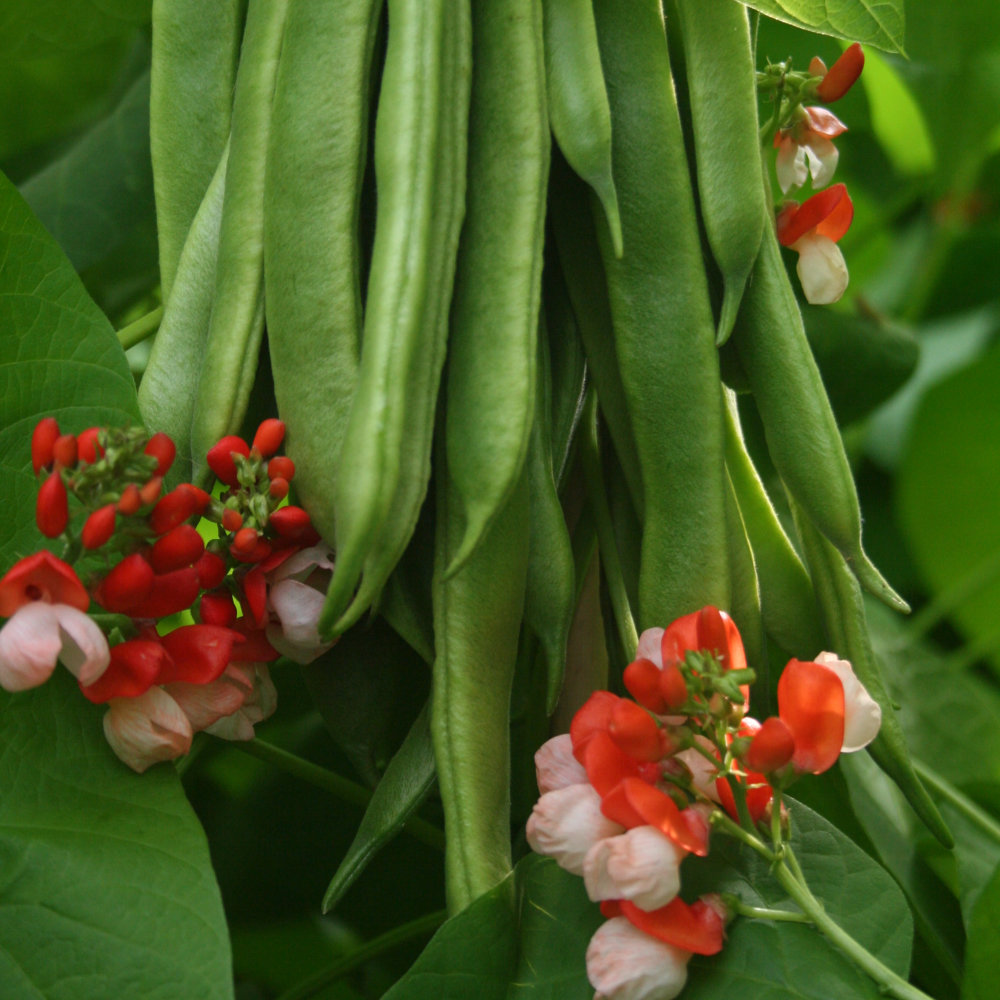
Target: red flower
41,577
841,76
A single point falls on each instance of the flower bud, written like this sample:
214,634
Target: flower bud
842,75
126,585
150,491
278,489
130,501
43,438
87,447
269,436
52,507
180,547
161,447
98,527
211,569
281,467
772,748
217,609
232,520
64,451
220,458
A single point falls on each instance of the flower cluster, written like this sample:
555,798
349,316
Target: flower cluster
636,786
253,592
804,140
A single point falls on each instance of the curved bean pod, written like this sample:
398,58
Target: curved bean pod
312,268
237,323
802,434
731,188
663,326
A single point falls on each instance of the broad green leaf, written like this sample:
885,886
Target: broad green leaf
405,784
93,197
73,25
948,482
106,887
526,938
58,356
873,22
981,951
770,960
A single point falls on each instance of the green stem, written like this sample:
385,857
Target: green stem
737,906
335,784
598,502
958,800
888,981
723,823
138,330
398,935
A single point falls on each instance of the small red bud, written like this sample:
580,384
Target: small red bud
87,446
128,583
259,552
633,730
163,449
211,568
42,440
149,492
269,436
99,527
64,451
842,74
217,609
130,501
771,748
291,523
281,467
278,489
220,458
244,541
232,520
52,508
177,506
181,546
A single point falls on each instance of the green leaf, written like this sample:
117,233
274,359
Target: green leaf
58,356
94,196
106,887
526,938
405,784
768,960
981,950
873,22
73,25
949,478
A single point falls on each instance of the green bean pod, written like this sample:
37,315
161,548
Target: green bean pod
843,609
722,88
477,617
416,398
312,266
663,326
550,598
788,605
492,345
169,385
802,435
578,101
195,49
420,183
745,606
237,323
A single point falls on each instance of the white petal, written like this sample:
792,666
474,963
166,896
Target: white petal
625,963
555,765
790,165
147,729
821,269
640,865
302,564
84,651
703,771
862,714
30,643
260,701
298,608
566,823
650,647
205,704
821,157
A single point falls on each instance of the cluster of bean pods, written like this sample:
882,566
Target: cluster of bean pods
524,235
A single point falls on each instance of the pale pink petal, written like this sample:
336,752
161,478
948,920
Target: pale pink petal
205,704
555,765
625,963
641,865
84,651
703,771
303,564
145,730
298,607
790,164
260,701
821,158
862,714
650,646
821,269
29,646
566,823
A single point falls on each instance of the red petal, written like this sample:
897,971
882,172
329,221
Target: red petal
217,609
181,546
98,527
696,928
680,637
255,591
839,220
87,447
127,585
175,508
657,809
592,717
52,507
255,648
633,730
642,681
169,593
269,436
41,577
292,523
772,747
825,123
43,438
830,208
211,569
220,458
607,764
842,74
135,666
199,653
811,704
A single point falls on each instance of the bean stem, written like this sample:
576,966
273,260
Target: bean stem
138,330
956,798
384,942
337,785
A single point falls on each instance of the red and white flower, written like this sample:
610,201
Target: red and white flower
805,148
624,963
